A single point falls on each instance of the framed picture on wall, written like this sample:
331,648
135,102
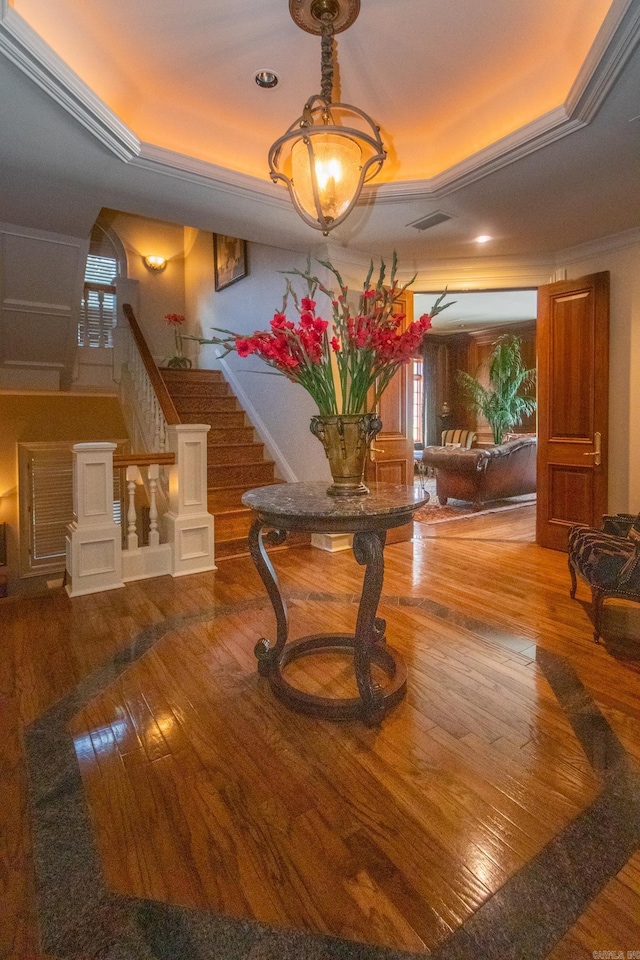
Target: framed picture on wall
230,260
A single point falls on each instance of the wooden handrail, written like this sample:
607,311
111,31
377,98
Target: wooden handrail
142,459
158,384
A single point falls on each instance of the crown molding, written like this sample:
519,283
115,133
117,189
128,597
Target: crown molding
490,274
593,248
615,42
515,146
20,44
191,170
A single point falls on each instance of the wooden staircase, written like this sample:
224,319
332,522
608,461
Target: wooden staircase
235,459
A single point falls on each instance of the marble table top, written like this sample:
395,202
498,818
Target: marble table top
387,503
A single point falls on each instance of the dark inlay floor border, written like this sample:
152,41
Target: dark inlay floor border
80,917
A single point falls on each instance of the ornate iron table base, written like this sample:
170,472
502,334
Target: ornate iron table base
368,644
371,709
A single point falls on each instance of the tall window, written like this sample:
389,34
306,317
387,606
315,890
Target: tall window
98,310
418,400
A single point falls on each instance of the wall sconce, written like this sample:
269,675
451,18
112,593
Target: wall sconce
155,264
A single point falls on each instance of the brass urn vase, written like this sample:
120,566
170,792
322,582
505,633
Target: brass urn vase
346,439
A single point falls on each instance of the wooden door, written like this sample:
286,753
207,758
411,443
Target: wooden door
573,387
392,451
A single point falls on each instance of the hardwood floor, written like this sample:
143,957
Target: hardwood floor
498,526
204,792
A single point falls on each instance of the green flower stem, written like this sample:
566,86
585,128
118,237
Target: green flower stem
352,379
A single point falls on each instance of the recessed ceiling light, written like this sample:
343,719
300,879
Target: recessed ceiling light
483,238
266,79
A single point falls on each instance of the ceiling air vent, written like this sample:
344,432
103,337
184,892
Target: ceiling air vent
431,221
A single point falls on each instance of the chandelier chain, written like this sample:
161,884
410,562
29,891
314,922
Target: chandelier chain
326,61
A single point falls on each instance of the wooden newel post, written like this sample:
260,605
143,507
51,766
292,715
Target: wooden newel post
94,545
188,524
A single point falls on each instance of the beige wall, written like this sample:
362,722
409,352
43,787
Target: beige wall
159,293
199,286
46,418
623,265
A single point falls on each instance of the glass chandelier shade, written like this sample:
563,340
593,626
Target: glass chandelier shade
327,163
331,151
325,173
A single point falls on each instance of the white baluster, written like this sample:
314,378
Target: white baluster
154,535
132,536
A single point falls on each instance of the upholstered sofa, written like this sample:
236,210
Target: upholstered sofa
480,475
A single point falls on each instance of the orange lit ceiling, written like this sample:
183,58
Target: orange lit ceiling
444,80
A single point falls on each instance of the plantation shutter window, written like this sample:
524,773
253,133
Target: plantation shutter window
46,484
98,307
50,475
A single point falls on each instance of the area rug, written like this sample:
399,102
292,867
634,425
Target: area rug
435,512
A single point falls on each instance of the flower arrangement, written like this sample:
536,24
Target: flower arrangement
337,361
178,361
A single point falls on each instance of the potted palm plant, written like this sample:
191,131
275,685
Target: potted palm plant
510,394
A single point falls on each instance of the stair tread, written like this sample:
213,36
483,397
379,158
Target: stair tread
238,546
240,443
197,373
243,485
240,486
240,463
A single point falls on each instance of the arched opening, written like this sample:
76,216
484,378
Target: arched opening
106,260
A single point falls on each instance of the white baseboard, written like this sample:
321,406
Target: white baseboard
332,542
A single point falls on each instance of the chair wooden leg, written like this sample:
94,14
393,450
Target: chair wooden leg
597,598
574,580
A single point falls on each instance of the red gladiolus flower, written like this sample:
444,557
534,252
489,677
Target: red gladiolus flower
174,319
347,362
245,347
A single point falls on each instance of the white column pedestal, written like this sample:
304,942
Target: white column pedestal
188,524
94,546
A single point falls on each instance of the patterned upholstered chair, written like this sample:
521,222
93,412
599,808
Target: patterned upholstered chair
609,561
466,438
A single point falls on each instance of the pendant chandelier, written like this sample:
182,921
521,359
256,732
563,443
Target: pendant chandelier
333,149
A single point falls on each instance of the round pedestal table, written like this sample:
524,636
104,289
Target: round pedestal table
306,507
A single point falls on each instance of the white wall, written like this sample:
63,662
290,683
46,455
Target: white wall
159,293
623,263
284,408
41,277
187,286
